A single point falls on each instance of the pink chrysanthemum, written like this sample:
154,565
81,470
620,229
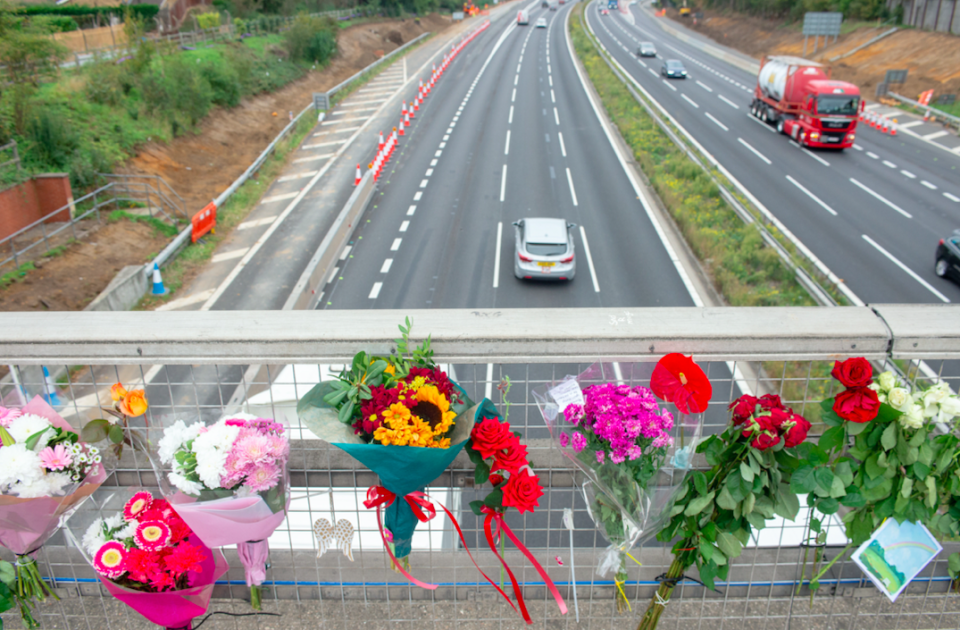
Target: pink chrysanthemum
254,449
564,440
152,535
601,457
263,477
8,415
110,560
136,505
55,458
578,442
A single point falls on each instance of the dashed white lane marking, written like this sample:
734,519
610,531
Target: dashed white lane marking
411,211
312,158
345,252
290,178
516,79
510,120
563,148
342,121
514,96
858,147
386,265
718,123
728,101
433,162
438,154
237,253
882,199
551,80
815,156
404,226
246,225
375,291
755,152
173,305
873,155
689,100
443,145
356,111
909,271
812,196
705,86
556,116
669,85
951,197
503,183
586,250
282,197
496,257
423,183
908,174
417,196
889,164
928,184
396,244
553,97
548,69
506,147
428,173
573,193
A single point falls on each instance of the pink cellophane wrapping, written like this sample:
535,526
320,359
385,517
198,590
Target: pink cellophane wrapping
175,609
230,520
253,556
25,524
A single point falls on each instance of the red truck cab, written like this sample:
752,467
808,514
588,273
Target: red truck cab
800,99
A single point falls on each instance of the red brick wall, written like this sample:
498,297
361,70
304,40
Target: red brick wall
34,199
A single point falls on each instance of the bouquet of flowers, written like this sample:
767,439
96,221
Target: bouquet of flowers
620,438
229,482
748,482
148,558
45,473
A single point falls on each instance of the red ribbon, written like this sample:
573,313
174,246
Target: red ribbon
493,515
378,497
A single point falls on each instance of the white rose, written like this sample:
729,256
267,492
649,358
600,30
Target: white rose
887,380
900,399
882,397
949,409
874,387
936,394
912,419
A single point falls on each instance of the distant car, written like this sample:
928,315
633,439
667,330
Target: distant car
523,18
646,49
563,1
553,5
673,68
604,12
545,4
541,23
544,249
948,257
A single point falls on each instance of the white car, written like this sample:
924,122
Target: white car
541,23
544,249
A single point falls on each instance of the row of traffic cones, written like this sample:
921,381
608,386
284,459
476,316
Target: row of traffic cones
878,122
386,148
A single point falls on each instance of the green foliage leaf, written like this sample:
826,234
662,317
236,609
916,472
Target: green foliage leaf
115,434
8,574
739,488
889,438
931,485
824,478
729,545
725,499
699,504
906,488
856,428
828,505
708,572
802,481
853,500
95,430
844,471
953,563
476,507
788,505
746,472
700,482
709,531
481,473
832,438
494,499
873,467
749,503
838,489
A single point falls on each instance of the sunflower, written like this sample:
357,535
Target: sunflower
434,407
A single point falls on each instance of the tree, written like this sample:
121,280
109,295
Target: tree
27,59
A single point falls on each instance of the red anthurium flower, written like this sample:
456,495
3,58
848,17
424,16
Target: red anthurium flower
679,380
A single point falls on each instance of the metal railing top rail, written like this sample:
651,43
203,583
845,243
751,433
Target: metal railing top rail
914,331
162,188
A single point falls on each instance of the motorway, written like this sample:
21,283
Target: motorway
873,215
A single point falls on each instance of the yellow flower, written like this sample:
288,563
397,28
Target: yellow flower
431,395
396,416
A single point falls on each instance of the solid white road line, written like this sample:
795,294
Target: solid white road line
314,157
909,271
375,291
704,86
689,100
935,135
755,152
573,193
386,265
718,123
173,305
911,124
815,156
290,178
396,244
728,101
586,250
812,196
237,253
496,257
883,199
506,147
503,183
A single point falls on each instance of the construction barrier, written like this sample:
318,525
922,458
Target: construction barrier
204,221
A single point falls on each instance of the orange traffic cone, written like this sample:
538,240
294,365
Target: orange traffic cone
403,110
926,116
886,126
356,182
408,119
380,146
401,126
893,127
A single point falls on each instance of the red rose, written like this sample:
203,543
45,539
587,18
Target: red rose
491,436
778,416
856,372
770,401
743,408
857,404
523,491
759,424
496,479
512,458
765,440
797,433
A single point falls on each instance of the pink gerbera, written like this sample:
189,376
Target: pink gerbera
185,557
55,458
152,535
110,559
8,415
263,477
136,505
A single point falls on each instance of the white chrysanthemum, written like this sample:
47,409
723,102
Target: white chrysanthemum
114,521
25,426
210,468
19,464
185,485
93,539
33,490
219,437
58,483
172,441
127,531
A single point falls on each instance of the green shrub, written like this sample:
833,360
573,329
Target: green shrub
208,20
54,141
311,39
224,83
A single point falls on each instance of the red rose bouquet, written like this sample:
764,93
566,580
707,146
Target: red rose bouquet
148,558
748,482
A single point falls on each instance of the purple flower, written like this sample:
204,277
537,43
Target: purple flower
564,440
579,441
573,413
601,456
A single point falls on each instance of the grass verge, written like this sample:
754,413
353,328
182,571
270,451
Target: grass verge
742,267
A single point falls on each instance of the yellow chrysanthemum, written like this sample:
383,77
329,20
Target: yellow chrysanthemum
429,394
390,370
397,415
